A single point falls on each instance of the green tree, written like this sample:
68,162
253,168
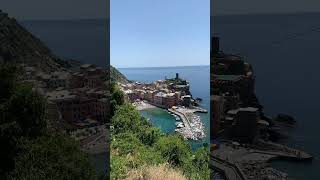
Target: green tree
127,119
8,80
52,157
27,152
117,98
174,149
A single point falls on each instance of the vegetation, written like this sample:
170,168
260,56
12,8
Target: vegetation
116,76
137,146
27,149
158,172
52,157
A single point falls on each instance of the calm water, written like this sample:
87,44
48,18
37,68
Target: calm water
198,76
160,118
284,51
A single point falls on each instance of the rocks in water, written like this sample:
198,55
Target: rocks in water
284,118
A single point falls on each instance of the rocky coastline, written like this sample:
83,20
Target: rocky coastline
244,138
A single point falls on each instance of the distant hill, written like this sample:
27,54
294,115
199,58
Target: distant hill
17,45
117,76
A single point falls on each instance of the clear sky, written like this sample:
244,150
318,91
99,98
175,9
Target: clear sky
159,33
55,9
220,7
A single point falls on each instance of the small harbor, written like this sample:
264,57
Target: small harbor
190,126
187,123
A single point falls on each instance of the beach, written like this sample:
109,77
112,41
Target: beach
142,105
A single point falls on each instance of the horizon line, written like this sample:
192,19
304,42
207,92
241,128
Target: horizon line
159,66
69,19
266,13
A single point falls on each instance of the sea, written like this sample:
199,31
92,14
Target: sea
284,51
199,79
88,42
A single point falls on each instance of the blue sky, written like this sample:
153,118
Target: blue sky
159,33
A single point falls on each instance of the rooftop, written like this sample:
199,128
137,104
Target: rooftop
227,77
86,65
60,95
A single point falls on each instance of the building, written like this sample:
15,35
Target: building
217,110
76,80
76,108
58,79
93,76
225,83
149,95
245,127
186,100
169,100
158,98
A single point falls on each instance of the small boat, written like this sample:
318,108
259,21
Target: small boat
180,125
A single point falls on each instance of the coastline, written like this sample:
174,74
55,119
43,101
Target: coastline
192,129
143,105
249,163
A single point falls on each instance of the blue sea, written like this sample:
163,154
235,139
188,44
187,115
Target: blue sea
199,79
284,51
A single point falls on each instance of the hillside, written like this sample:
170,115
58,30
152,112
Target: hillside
17,45
117,76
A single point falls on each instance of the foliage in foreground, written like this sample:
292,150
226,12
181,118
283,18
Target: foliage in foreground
27,151
137,144
156,172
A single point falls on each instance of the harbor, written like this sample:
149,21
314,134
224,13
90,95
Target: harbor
190,126
159,116
174,96
246,162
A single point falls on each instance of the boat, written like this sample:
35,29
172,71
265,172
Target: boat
180,125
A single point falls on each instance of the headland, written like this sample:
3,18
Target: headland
244,139
174,96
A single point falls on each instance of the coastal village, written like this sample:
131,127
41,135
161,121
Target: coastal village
242,137
77,100
173,95
76,95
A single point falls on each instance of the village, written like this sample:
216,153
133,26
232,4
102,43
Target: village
77,101
174,96
242,135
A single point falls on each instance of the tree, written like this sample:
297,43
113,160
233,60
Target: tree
22,115
8,80
27,151
117,98
174,149
52,157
